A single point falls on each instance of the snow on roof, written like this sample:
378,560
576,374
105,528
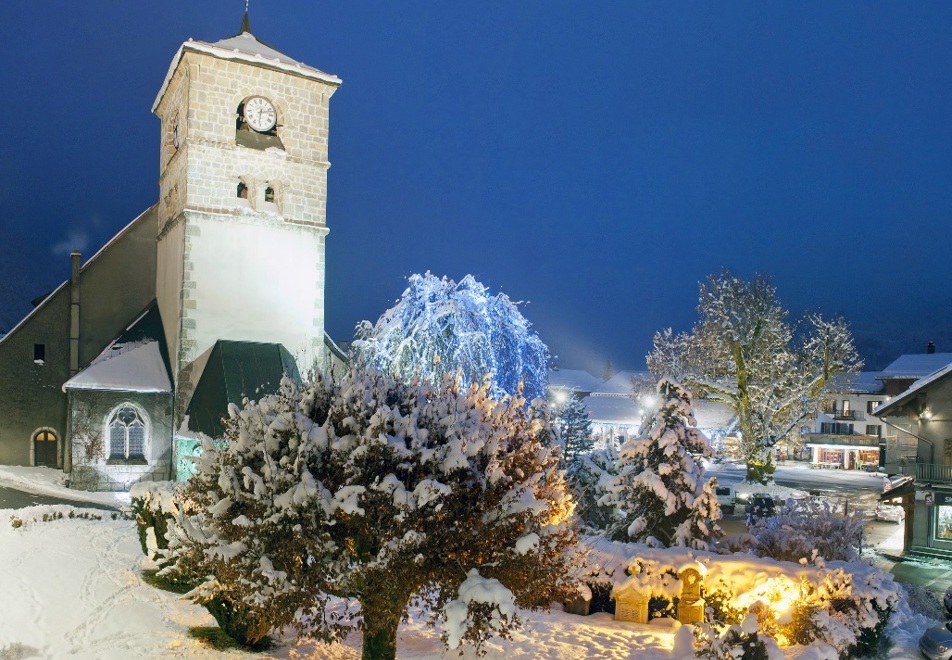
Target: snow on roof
916,365
623,410
864,382
612,410
620,383
246,48
574,380
896,402
132,367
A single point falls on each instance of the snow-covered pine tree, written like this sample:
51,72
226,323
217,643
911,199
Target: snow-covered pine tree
439,327
575,428
383,493
660,488
590,475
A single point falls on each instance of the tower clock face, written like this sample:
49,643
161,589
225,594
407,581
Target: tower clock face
259,113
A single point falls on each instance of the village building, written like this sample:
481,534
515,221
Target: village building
845,435
616,407
924,411
213,294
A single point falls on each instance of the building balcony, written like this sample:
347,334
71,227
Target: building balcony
839,413
842,439
932,473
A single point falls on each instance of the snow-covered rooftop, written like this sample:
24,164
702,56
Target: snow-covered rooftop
612,410
246,48
916,365
575,380
896,402
621,383
133,367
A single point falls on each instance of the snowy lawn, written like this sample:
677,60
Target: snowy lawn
73,587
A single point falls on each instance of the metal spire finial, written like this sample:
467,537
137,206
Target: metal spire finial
245,24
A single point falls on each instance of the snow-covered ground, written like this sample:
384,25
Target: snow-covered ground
73,587
51,482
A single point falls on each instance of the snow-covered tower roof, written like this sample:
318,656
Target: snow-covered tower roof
245,47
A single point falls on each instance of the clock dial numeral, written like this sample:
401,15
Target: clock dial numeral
259,113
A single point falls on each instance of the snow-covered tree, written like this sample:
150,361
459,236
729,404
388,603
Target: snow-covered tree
743,352
383,493
660,488
439,327
590,476
575,428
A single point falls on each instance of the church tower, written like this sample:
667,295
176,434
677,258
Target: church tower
241,211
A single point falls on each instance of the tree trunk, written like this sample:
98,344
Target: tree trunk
380,631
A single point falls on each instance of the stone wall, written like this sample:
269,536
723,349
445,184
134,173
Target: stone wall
89,413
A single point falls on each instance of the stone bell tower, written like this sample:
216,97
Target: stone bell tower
241,212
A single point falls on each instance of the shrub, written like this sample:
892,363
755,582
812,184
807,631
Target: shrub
808,530
739,642
154,504
602,600
382,492
720,608
240,622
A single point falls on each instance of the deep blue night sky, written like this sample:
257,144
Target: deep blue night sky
596,160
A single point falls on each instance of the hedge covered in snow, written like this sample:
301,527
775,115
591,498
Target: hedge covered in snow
839,607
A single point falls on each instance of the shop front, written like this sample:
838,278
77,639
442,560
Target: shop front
932,524
844,452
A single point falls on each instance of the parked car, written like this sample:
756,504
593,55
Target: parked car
936,642
892,512
727,498
759,506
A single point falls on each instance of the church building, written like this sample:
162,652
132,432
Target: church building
211,295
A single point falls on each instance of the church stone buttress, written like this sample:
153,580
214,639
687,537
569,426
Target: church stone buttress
242,199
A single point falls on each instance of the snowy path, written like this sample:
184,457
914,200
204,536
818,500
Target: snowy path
73,587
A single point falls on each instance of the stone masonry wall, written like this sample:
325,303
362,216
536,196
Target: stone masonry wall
89,412
229,267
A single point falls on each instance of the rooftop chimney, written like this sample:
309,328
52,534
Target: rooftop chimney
930,348
75,258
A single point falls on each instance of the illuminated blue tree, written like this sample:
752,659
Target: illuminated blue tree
439,327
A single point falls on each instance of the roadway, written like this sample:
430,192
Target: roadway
848,490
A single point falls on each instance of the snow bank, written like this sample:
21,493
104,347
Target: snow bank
52,483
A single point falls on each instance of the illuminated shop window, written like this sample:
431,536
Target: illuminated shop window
943,521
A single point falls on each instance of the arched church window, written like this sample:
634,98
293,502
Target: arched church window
127,433
242,190
269,194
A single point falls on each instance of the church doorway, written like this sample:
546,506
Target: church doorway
44,448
